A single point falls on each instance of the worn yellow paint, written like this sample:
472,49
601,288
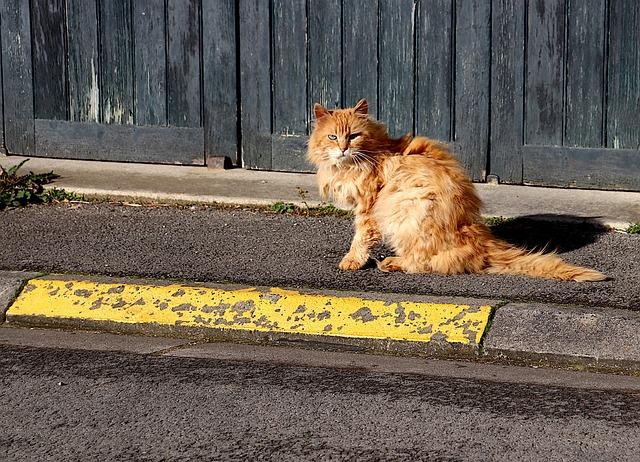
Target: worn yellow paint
264,310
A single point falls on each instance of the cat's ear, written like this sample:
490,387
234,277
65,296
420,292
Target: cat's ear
320,111
361,107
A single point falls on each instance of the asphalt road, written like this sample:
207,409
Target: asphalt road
244,246
88,405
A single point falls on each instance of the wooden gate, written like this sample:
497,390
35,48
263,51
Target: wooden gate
566,93
120,79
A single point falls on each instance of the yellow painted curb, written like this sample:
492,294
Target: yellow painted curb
250,309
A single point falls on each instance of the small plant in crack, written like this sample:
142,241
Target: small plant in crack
633,228
18,190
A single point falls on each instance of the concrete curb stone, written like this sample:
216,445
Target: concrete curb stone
10,283
590,336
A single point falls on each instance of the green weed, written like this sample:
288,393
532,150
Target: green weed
283,207
633,228
19,190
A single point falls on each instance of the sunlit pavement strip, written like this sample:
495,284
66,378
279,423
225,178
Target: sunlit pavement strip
62,301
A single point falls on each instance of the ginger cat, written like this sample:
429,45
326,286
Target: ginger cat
414,194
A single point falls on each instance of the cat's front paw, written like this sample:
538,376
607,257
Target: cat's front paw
349,263
390,264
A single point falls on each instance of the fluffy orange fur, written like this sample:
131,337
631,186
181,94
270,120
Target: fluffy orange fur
414,194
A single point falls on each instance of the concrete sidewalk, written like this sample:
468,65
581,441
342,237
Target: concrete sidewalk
126,181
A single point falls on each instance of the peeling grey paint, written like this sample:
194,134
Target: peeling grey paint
184,307
439,337
363,314
400,315
96,304
217,309
273,298
467,332
116,290
425,330
83,293
263,321
202,320
243,306
119,304
324,315
178,293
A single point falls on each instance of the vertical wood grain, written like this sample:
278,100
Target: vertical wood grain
433,69
116,64
472,81
255,83
545,72
396,67
325,50
150,62
49,59
219,72
83,61
585,84
17,77
623,120
183,74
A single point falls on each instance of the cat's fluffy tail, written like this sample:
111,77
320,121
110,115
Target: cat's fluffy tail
504,258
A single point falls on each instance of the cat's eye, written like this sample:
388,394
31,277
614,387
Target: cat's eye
332,137
353,136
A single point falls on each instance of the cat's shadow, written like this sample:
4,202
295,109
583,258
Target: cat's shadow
550,232
546,232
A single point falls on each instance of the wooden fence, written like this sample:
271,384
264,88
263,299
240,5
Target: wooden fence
543,92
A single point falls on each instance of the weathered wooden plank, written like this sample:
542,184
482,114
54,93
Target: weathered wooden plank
49,59
3,149
623,121
290,114
545,72
219,76
150,62
17,77
360,56
289,67
290,153
585,76
82,37
396,66
126,143
325,60
255,83
472,82
116,62
433,69
582,167
507,61
183,66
